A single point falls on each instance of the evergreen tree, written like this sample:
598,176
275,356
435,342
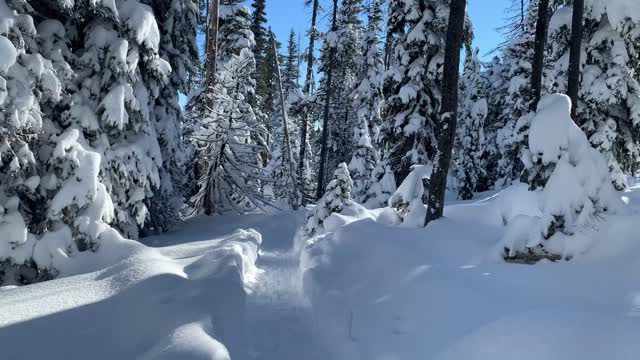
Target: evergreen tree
177,22
228,138
517,60
608,108
412,83
336,197
363,160
471,154
345,42
367,96
290,68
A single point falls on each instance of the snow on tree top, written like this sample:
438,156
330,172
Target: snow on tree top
617,11
552,129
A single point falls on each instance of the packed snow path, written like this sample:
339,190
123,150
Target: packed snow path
278,318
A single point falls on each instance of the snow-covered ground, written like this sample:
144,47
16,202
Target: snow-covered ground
248,287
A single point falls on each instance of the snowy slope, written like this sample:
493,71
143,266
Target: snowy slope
174,302
390,293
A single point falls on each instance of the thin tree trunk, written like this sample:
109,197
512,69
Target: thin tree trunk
307,89
574,55
538,56
448,111
212,43
327,106
285,126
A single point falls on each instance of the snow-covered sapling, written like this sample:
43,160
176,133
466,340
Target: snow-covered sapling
336,197
571,178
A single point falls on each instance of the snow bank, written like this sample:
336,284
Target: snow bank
574,188
387,292
183,302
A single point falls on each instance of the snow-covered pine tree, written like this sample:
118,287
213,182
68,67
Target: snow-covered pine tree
517,60
471,154
291,66
20,123
493,71
609,99
336,197
177,21
229,138
558,154
412,83
52,203
368,96
264,99
119,78
367,101
346,40
363,160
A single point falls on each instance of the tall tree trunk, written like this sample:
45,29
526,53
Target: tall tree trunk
327,106
212,43
285,126
574,55
538,56
307,89
448,111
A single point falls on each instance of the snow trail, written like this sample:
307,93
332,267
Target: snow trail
279,319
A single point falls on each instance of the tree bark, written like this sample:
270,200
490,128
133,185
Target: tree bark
573,86
448,111
285,126
538,56
327,106
212,43
307,89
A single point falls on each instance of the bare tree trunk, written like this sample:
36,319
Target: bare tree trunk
448,111
538,56
574,55
307,89
327,106
287,142
212,43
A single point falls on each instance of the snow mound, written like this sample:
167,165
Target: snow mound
183,301
390,292
574,188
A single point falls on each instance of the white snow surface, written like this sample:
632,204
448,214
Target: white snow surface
366,289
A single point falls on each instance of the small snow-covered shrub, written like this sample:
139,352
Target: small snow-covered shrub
571,177
381,186
337,196
408,199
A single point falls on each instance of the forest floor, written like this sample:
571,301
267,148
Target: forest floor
249,288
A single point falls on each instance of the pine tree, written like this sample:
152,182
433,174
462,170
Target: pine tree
412,83
261,50
290,68
367,96
229,138
113,105
471,155
363,160
328,67
344,41
516,69
176,19
608,108
448,112
336,197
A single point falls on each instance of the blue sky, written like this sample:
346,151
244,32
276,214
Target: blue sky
486,15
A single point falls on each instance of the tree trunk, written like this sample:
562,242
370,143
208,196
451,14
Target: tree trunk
448,111
212,43
307,89
327,106
285,126
538,56
573,87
